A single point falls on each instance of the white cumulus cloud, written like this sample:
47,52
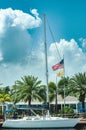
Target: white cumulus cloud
14,37
15,45
74,57
10,17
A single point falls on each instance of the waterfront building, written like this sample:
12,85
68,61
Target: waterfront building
70,101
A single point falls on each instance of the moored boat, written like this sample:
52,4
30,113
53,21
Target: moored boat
41,122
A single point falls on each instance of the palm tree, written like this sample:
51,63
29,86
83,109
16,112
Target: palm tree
27,90
53,93
6,90
42,93
63,86
15,90
78,86
3,99
63,89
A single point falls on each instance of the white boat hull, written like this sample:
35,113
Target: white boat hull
41,123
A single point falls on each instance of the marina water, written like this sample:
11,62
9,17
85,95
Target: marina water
82,128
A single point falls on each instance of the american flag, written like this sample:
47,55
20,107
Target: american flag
58,65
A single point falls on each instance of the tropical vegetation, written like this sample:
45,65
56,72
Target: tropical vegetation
4,97
78,86
27,90
30,88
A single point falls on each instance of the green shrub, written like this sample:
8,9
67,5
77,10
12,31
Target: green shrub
67,111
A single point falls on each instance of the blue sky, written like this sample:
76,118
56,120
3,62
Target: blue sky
21,38
69,16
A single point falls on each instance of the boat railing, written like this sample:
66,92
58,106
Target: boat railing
75,115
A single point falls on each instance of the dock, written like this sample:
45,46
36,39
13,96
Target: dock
82,121
1,124
81,124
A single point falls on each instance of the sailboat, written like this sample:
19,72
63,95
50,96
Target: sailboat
42,122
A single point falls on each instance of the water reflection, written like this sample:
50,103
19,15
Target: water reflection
44,129
83,128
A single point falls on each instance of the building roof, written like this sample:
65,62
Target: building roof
60,100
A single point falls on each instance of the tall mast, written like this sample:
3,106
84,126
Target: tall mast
46,63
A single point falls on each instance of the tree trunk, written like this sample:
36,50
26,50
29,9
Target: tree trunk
29,104
3,110
83,106
83,103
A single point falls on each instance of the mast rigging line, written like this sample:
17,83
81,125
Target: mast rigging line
53,38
